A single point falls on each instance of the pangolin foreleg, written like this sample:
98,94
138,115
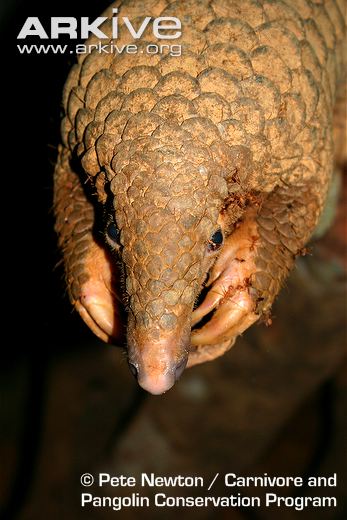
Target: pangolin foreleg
89,272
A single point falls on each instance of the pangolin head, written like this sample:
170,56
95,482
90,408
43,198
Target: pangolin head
164,226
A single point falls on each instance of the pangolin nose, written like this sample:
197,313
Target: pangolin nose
158,383
132,368
180,368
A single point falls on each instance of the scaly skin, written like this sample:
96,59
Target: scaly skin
234,134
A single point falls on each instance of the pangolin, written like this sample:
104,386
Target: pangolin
193,171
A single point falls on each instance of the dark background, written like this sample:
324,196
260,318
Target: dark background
276,403
31,92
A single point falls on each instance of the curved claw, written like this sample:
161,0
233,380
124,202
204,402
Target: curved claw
97,303
231,319
213,297
89,319
228,272
204,353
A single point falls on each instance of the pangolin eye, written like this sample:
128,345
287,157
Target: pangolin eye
215,241
112,232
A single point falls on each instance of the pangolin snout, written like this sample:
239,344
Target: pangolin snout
158,362
165,221
158,383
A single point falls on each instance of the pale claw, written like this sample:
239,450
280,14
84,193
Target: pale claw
232,318
98,304
205,353
211,301
93,324
228,272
